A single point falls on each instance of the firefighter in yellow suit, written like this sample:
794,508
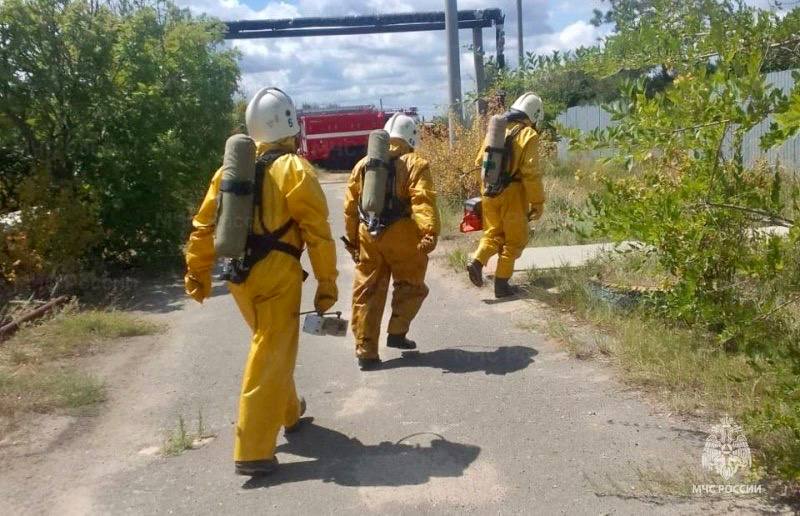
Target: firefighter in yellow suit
398,250
506,216
269,298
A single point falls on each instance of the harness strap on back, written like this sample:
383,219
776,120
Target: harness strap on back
259,246
512,174
236,187
394,208
506,176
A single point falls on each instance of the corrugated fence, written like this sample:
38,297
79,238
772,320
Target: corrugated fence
586,118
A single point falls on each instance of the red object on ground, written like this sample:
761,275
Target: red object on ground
472,220
341,134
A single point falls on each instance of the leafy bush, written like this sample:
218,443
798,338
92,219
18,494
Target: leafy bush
114,117
689,195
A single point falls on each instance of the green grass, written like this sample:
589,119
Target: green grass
687,369
178,441
181,439
47,388
72,333
450,214
37,368
457,259
107,325
576,345
567,185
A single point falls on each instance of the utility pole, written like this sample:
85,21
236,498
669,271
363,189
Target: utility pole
519,33
453,68
480,73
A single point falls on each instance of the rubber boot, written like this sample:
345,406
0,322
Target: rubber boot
369,364
295,427
400,342
256,468
503,289
475,271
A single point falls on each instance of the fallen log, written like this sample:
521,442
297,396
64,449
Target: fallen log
9,329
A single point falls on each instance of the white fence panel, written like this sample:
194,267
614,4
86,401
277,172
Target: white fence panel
587,118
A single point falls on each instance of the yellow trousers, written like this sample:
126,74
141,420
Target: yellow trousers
392,254
270,303
505,229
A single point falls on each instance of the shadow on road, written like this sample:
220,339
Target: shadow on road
500,361
348,462
161,298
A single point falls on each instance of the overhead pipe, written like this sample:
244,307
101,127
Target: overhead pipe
488,15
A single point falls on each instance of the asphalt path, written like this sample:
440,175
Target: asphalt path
487,417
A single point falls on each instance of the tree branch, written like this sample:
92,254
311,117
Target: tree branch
765,215
700,126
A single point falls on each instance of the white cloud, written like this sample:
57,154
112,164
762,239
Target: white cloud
400,69
574,35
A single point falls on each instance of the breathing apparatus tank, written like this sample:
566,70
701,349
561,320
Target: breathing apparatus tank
235,200
373,193
494,152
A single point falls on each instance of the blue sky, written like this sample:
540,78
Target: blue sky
402,70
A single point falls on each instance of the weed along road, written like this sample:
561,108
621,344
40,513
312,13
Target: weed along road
486,417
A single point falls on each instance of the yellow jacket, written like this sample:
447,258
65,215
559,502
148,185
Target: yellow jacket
413,184
524,162
290,191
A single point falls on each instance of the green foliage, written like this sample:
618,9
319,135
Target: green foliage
562,81
787,119
112,117
621,13
694,206
690,198
554,79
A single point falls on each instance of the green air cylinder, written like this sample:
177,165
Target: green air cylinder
373,192
235,200
494,150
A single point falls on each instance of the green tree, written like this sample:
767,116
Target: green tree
690,197
562,82
117,111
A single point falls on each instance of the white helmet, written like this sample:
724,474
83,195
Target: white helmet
530,104
271,116
403,127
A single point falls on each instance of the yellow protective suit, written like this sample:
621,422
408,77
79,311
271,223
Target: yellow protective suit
269,299
393,253
505,217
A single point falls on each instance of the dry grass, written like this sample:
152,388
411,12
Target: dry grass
567,185
455,173
181,439
450,214
37,372
457,259
686,369
42,389
71,334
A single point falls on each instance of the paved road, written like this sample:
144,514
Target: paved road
486,418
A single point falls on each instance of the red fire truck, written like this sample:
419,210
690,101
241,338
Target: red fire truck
337,137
